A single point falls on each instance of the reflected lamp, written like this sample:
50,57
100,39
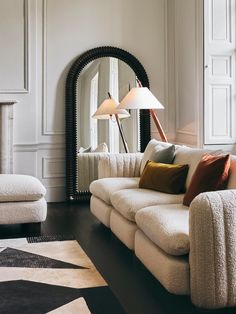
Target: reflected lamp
107,109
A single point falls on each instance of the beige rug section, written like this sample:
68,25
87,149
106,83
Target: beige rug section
66,251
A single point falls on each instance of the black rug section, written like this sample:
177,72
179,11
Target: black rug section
49,238
16,258
28,297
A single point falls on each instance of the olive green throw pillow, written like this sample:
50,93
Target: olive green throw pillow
164,177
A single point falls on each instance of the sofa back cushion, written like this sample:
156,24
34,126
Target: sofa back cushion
152,147
191,157
232,174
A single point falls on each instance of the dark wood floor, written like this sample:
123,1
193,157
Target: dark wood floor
136,289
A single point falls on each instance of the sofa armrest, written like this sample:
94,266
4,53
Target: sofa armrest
120,165
213,249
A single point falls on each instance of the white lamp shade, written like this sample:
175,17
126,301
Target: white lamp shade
109,107
140,98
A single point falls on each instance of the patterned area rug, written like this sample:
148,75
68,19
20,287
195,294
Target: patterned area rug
51,275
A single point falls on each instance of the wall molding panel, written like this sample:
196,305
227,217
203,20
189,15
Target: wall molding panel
53,167
179,131
220,113
199,71
188,16
39,146
220,32
188,54
25,60
163,115
26,47
166,78
47,130
221,66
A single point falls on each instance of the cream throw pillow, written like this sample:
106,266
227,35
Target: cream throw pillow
102,148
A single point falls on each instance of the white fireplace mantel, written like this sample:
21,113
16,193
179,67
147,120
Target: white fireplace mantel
6,135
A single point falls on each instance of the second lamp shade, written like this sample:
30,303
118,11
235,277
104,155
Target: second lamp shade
140,98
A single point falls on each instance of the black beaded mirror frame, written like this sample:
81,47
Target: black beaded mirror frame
72,193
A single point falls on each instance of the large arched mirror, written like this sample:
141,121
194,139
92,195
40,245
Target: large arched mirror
90,78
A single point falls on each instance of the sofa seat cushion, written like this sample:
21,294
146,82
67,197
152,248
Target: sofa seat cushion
167,226
128,201
19,188
103,188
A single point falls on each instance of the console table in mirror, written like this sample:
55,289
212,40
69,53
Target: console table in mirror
91,77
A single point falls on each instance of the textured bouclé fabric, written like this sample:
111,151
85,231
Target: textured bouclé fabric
23,212
128,201
171,271
213,249
105,187
167,226
19,188
120,165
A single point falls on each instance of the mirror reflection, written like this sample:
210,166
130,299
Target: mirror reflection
99,136
98,78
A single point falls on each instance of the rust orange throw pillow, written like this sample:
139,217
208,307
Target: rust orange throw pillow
166,178
211,174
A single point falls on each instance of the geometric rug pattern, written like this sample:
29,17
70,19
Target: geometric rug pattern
51,277
10,257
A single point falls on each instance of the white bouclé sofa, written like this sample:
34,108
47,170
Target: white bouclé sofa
190,250
21,200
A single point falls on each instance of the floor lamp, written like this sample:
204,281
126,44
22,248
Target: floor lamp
142,98
106,110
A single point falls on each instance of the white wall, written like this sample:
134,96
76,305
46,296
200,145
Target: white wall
40,39
186,29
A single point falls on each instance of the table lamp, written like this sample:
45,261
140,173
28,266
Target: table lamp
106,110
142,98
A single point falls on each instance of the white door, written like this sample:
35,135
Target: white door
220,52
